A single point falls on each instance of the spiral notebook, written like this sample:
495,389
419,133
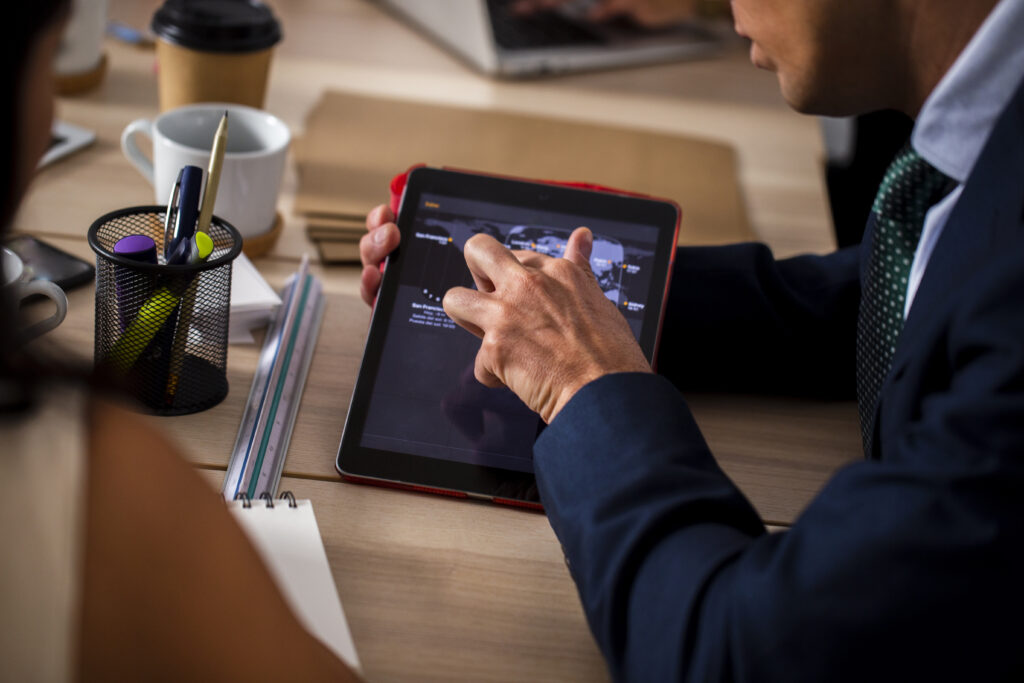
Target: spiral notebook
286,535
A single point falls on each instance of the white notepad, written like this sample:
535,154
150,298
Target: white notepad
288,540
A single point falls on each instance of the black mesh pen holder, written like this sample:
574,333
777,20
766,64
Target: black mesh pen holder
162,330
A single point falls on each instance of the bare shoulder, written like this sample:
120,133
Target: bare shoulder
167,569
125,449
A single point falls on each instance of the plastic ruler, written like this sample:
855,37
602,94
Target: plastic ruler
266,428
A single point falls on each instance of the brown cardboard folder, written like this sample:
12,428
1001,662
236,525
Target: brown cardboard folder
353,145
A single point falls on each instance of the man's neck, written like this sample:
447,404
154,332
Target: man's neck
937,32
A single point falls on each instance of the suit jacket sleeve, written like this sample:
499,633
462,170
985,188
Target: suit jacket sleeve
738,320
905,569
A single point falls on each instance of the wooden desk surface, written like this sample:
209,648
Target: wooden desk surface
437,589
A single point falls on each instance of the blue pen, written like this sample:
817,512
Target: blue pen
191,186
171,215
194,250
181,254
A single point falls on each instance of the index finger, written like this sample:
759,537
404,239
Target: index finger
529,258
489,261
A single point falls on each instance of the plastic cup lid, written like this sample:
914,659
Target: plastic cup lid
217,25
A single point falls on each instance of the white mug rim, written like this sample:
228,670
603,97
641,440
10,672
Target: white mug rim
271,150
10,256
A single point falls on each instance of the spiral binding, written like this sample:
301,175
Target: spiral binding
285,495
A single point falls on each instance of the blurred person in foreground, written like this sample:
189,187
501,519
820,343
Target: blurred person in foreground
906,566
119,563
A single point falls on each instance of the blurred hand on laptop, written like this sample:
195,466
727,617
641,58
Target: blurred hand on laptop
649,13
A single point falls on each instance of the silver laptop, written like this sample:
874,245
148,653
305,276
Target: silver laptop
490,37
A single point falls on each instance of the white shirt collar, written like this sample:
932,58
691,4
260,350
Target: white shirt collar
961,112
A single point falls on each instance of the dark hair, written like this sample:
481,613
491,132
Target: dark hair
16,48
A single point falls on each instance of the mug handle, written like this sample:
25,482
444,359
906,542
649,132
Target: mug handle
131,148
52,292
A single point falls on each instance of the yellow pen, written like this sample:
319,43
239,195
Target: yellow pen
220,142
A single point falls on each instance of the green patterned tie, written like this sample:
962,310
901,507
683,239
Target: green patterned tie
910,188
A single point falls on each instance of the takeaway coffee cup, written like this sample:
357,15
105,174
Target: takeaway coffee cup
253,163
214,51
15,290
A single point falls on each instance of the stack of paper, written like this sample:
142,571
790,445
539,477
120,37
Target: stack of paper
336,235
253,301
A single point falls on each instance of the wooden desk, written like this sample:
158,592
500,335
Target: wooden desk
437,589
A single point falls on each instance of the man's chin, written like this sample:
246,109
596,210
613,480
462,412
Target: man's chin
798,97
759,59
804,100
803,92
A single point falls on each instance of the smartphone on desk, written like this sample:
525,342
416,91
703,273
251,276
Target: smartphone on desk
46,262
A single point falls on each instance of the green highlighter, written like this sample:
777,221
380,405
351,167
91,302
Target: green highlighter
140,332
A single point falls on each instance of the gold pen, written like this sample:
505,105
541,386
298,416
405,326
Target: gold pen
220,140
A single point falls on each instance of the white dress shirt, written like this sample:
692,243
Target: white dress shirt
961,113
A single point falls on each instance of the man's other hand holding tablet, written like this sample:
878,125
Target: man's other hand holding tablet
380,240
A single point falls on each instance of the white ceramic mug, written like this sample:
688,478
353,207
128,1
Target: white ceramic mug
13,268
253,163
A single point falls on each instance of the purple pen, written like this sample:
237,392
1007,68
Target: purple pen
131,288
137,248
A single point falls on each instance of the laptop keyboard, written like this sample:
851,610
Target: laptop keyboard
538,30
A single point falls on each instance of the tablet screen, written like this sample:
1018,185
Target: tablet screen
424,399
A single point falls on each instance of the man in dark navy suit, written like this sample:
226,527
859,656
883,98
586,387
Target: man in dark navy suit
907,566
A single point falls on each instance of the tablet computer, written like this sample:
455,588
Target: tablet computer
418,418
